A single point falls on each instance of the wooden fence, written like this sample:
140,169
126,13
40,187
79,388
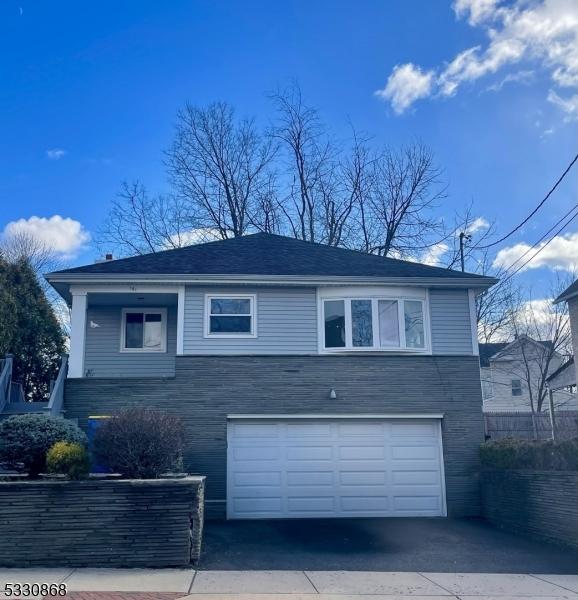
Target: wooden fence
499,425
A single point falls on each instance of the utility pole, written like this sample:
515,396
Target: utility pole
463,237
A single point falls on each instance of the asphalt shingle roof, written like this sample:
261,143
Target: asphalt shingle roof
268,254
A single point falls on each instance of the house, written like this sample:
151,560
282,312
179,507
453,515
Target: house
568,374
313,381
514,376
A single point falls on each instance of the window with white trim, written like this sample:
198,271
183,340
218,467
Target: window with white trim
144,330
230,316
374,324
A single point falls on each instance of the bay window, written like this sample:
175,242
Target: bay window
374,324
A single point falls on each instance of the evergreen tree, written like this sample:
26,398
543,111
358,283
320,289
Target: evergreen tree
29,329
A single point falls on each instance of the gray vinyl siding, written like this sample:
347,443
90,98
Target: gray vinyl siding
103,358
451,329
286,322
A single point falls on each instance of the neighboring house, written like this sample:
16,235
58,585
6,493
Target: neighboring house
569,374
313,381
514,376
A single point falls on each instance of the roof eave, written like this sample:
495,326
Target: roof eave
79,278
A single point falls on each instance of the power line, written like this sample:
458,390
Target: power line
535,210
574,208
572,217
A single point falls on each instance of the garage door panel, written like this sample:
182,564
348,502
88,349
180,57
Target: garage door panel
307,504
256,453
249,506
416,503
357,452
256,478
335,468
310,478
414,451
363,478
299,430
256,430
363,429
422,476
363,504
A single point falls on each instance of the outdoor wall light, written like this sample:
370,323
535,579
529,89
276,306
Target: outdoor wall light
332,394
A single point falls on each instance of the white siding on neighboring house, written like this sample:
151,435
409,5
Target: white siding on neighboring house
286,322
497,387
103,357
451,326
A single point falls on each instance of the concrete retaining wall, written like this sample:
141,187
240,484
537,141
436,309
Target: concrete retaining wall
101,523
541,504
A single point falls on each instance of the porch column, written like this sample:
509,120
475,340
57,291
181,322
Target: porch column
181,320
77,334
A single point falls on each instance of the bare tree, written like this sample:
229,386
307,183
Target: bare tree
220,167
21,245
543,331
138,223
406,188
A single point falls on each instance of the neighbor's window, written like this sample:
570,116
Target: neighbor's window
231,315
144,330
516,387
374,324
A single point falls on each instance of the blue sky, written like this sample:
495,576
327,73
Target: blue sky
90,90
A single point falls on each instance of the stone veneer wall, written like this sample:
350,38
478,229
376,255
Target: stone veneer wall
101,523
541,504
206,389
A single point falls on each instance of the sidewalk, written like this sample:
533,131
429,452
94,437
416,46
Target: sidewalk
170,584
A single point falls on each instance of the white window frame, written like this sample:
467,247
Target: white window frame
253,314
349,347
146,310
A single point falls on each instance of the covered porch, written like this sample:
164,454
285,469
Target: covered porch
125,331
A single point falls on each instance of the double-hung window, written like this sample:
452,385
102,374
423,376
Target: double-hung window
230,316
374,324
144,330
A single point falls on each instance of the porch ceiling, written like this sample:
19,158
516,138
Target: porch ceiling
132,299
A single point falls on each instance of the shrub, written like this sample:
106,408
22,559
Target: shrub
523,454
25,440
68,459
140,443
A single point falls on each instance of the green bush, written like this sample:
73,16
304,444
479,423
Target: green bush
68,458
140,443
25,440
523,454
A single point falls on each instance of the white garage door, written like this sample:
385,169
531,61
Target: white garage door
297,468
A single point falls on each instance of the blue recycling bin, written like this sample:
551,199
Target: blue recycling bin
94,423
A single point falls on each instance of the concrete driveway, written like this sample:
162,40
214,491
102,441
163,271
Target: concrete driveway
428,545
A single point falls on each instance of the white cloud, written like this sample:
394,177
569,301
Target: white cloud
405,85
192,237
64,236
523,77
476,225
561,254
475,11
55,153
432,256
543,33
